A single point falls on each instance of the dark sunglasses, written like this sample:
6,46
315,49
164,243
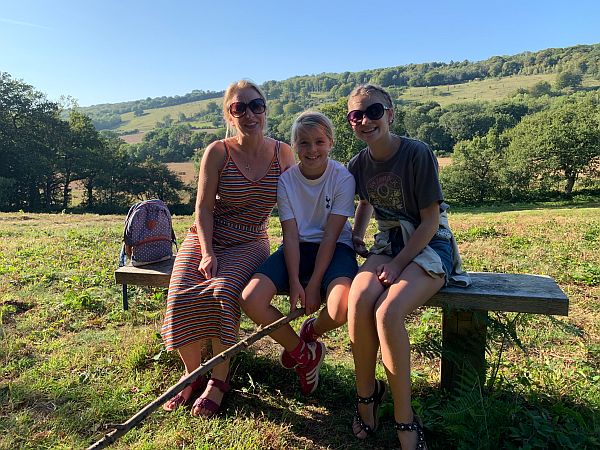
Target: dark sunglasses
238,109
373,112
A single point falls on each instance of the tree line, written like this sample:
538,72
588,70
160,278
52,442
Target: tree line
43,156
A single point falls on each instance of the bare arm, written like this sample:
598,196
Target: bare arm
291,252
208,180
363,214
333,228
430,218
286,157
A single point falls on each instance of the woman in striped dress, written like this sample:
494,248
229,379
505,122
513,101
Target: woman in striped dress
237,189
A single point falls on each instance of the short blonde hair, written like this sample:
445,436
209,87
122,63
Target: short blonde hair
312,119
231,90
369,89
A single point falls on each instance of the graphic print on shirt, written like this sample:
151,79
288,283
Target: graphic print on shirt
327,202
385,194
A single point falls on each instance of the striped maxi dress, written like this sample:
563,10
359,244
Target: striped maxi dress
198,308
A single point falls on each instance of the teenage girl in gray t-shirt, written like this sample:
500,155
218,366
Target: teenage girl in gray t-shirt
396,178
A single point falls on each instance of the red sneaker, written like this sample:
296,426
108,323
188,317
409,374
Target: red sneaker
307,334
309,373
307,330
286,360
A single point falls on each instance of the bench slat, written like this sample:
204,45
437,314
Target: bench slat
506,292
157,274
490,291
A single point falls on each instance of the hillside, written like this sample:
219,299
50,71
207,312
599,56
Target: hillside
446,83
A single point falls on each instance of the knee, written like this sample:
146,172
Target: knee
361,306
256,297
250,301
388,317
340,315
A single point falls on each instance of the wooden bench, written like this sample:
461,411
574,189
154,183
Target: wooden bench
464,321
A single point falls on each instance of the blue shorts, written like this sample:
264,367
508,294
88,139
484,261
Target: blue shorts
440,243
343,264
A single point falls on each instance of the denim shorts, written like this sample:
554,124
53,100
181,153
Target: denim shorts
343,264
440,243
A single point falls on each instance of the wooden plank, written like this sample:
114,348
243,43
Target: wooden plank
506,292
489,292
157,274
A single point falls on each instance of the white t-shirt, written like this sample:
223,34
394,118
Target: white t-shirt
311,202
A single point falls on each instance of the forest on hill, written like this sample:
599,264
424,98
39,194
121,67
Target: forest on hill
543,139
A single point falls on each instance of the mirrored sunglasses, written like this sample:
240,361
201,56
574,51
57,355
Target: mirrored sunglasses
238,109
373,112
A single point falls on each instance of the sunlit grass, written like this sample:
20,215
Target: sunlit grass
72,360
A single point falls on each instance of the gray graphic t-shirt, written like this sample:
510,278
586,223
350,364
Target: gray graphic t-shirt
401,186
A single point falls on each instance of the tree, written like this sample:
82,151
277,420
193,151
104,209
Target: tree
557,144
568,79
346,145
540,88
474,175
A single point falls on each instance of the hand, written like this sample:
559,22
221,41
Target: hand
313,297
296,294
387,273
208,266
359,246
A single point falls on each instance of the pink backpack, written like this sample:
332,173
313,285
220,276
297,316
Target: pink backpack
148,236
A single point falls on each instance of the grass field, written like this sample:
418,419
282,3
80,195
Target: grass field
148,121
71,361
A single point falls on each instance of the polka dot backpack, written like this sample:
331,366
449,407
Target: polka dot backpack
148,236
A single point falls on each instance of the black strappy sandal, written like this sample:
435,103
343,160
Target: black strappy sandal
375,398
415,425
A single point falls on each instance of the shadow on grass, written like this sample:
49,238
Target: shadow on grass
264,390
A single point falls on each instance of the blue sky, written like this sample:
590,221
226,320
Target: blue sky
112,51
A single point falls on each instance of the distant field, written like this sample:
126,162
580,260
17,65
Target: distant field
487,90
184,170
133,138
151,116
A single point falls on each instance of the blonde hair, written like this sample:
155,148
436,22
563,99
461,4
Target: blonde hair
312,119
231,90
369,89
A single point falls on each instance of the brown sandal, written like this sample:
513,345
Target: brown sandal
208,404
375,398
198,385
415,425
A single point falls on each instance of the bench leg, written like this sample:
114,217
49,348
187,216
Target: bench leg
125,303
463,346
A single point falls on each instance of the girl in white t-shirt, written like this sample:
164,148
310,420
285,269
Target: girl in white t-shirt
317,259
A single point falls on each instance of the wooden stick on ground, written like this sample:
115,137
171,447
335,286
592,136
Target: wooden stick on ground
122,429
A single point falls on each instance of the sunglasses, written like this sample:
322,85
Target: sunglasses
373,112
238,109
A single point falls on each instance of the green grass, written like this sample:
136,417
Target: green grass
71,361
148,121
489,89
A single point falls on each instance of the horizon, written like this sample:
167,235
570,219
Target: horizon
114,53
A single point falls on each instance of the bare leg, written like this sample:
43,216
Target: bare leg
191,355
335,312
364,292
219,372
413,288
256,302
